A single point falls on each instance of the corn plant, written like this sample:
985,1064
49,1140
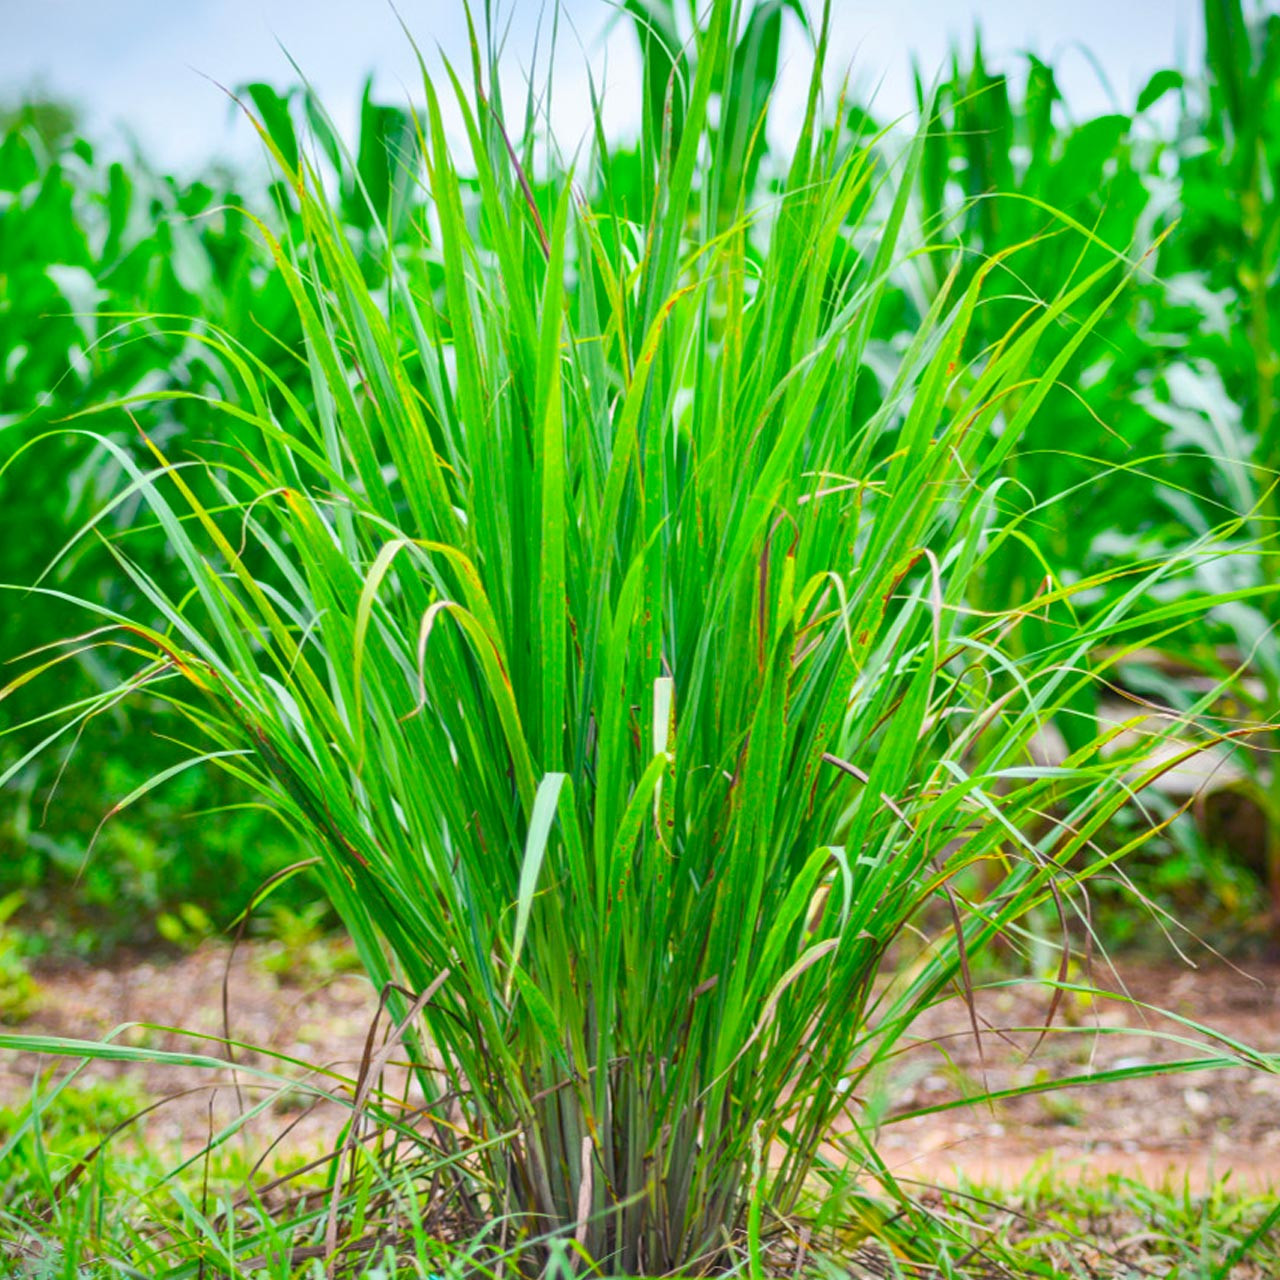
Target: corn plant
1230,164
605,632
90,253
1164,439
1006,174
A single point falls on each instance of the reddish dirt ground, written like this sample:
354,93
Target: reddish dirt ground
1192,1125
1189,1126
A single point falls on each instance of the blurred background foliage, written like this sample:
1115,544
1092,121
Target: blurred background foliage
114,278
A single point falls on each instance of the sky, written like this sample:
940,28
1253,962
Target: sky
152,69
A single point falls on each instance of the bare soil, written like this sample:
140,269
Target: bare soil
1182,1127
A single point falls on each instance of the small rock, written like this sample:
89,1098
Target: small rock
1197,1101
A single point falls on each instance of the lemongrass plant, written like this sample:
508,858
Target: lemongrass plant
602,629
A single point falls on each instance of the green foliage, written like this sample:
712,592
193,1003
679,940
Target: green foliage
85,1191
599,607
18,991
301,945
643,592
95,262
672,37
1156,418
49,119
187,926
1161,425
376,190
1230,155
89,254
1059,1222
131,1215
